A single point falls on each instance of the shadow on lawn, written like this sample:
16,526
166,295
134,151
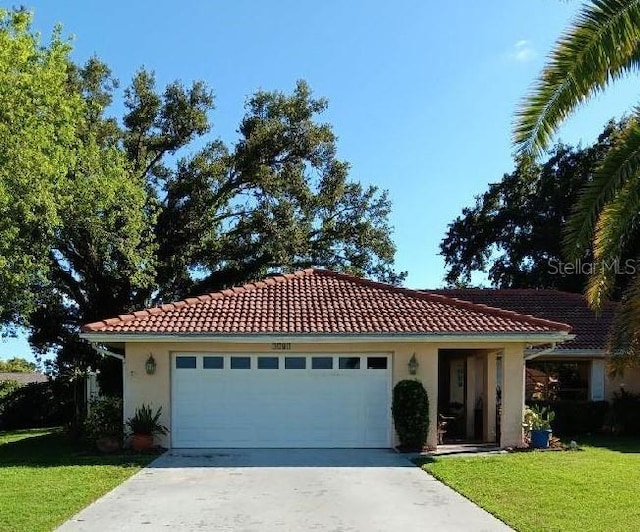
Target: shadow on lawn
621,444
55,450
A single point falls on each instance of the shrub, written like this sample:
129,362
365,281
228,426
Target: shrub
626,412
104,419
42,404
576,418
410,410
7,388
145,422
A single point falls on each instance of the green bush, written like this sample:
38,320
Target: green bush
411,414
41,404
575,418
104,419
626,412
7,388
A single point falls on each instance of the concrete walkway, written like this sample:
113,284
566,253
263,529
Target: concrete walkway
283,490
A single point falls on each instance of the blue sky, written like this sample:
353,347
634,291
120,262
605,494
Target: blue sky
421,94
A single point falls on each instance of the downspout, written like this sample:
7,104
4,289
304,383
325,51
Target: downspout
105,352
102,351
546,351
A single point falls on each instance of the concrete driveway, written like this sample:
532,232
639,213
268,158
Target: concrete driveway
283,490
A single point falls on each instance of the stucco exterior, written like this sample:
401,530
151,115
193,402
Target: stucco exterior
139,387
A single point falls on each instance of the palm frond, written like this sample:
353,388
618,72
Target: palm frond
623,347
617,222
601,45
620,164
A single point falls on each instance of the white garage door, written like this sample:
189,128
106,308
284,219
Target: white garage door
288,400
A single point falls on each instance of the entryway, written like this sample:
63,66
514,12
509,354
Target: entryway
469,395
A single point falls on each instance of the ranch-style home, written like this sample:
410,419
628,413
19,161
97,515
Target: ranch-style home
309,359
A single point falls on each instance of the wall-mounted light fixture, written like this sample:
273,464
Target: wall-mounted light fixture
413,365
150,365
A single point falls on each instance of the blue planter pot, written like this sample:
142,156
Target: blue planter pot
540,438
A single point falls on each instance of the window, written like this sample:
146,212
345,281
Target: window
349,363
268,363
213,363
185,362
322,363
557,380
295,363
376,362
240,362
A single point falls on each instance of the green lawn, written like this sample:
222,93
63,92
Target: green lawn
45,479
593,489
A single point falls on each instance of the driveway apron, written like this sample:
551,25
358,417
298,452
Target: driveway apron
263,490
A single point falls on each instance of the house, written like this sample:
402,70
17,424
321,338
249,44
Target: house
23,377
309,359
577,365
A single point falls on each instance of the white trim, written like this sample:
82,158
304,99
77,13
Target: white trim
566,353
531,338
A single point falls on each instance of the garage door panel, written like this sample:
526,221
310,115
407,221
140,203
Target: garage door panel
280,407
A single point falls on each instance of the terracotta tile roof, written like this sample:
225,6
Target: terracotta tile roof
322,302
590,331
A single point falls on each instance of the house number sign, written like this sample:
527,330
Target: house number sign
281,347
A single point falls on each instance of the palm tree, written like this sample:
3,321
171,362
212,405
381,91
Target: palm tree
600,46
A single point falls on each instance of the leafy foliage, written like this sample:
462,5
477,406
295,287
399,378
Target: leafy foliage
16,364
38,142
145,422
42,404
576,418
600,46
104,418
149,208
626,412
538,418
410,410
514,232
7,388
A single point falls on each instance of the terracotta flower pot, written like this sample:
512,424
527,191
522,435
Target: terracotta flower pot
141,442
108,444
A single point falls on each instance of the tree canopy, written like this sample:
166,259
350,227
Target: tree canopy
513,233
38,142
17,365
153,208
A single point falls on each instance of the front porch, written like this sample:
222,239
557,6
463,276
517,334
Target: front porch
479,396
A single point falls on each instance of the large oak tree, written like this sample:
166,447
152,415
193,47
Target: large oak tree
154,208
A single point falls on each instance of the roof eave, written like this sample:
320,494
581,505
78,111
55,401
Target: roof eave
532,338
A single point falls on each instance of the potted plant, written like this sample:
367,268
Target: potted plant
538,422
144,425
103,424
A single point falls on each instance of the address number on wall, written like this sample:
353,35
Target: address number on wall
281,347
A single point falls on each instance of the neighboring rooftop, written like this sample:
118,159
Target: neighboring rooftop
22,377
322,302
591,330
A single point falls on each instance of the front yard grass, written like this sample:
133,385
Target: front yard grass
590,490
45,479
